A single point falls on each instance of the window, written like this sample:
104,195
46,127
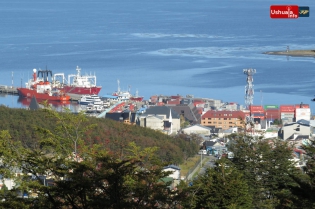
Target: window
209,122
225,114
209,118
225,118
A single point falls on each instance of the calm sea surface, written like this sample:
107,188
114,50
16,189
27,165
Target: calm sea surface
182,47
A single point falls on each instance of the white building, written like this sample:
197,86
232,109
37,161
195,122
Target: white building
197,129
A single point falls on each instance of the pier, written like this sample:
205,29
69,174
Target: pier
8,90
13,91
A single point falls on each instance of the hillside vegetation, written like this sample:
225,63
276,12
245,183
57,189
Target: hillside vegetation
111,135
93,163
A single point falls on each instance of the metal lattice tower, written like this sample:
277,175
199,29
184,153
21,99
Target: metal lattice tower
249,88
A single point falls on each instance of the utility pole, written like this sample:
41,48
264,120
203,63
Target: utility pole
12,79
201,160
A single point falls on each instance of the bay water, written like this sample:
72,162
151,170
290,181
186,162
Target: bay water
164,47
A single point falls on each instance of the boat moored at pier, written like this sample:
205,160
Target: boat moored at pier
76,84
40,88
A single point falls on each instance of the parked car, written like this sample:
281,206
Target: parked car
202,152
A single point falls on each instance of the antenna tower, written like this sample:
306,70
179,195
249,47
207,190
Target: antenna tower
249,88
249,95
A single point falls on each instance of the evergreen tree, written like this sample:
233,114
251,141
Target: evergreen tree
268,168
222,187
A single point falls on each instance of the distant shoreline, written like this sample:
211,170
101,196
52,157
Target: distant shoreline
297,53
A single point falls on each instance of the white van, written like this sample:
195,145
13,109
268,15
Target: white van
202,152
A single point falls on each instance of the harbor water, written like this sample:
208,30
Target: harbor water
161,47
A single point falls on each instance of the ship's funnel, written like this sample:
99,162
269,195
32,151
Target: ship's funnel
34,74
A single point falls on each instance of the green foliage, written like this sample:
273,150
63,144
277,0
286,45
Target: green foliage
269,170
183,122
220,187
29,127
94,179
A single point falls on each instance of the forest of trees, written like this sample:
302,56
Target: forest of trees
120,166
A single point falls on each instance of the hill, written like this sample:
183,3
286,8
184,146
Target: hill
111,135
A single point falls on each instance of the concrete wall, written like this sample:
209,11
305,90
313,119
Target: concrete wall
154,123
288,131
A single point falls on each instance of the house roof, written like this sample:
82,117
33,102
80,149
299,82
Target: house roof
189,111
296,123
198,125
209,143
118,115
161,110
303,122
214,129
172,166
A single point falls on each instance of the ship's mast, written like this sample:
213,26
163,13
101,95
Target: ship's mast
118,85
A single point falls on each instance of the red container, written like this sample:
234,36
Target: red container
302,106
256,109
174,101
176,97
287,108
272,114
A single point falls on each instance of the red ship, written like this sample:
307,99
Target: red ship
40,88
136,97
80,84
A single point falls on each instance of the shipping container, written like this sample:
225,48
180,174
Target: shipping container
176,97
271,107
303,113
302,110
287,108
256,109
198,100
272,114
175,101
302,106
